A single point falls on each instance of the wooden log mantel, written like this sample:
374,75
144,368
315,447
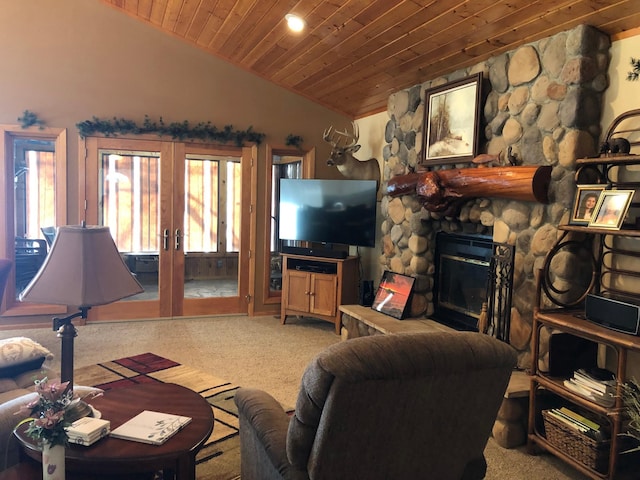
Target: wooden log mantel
442,190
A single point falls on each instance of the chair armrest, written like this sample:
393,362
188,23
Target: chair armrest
267,424
262,411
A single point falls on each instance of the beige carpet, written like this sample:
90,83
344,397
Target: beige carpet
255,352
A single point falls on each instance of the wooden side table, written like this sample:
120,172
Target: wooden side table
121,458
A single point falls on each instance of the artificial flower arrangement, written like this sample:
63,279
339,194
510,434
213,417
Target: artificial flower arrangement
47,412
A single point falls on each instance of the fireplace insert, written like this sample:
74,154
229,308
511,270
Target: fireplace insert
462,274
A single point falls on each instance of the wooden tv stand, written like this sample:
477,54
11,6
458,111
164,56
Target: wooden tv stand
317,286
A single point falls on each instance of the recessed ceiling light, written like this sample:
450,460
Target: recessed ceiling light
294,22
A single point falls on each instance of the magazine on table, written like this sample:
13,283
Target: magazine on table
151,427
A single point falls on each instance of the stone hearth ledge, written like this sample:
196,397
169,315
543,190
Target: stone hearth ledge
509,429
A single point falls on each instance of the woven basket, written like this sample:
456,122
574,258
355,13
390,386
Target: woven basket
592,453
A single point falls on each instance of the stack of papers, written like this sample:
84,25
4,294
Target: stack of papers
151,427
88,430
595,384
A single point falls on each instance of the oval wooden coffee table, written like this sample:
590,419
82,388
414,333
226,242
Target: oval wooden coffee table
113,457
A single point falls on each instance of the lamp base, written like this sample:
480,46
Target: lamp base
78,410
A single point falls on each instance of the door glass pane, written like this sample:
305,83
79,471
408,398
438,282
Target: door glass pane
283,166
129,196
34,163
234,202
211,226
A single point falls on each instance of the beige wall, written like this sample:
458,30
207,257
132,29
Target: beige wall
622,96
372,143
70,60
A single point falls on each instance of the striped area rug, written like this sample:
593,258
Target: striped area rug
219,459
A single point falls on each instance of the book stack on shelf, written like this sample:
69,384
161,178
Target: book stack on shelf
595,384
585,439
580,423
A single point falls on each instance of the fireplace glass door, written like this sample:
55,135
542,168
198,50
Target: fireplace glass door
462,276
462,284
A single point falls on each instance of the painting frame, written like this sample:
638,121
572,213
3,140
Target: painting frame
393,294
461,147
611,209
582,213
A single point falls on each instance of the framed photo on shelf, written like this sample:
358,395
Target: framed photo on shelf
585,203
451,120
392,297
611,209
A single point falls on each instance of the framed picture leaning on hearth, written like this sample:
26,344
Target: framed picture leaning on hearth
584,205
451,121
392,297
611,209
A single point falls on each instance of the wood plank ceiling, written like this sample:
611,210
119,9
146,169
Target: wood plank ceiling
354,53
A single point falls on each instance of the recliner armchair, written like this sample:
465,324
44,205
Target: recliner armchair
406,406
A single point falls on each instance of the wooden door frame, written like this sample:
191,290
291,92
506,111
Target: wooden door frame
170,148
308,171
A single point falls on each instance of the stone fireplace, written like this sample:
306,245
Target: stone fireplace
542,101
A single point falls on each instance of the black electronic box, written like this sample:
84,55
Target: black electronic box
618,313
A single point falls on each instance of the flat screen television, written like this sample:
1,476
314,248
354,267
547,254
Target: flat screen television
341,212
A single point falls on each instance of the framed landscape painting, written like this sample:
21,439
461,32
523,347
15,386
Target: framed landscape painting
392,297
451,119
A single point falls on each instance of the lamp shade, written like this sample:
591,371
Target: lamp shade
83,269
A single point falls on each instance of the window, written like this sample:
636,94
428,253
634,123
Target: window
130,199
283,167
34,174
130,196
33,161
285,162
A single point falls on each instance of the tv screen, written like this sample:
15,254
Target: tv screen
328,211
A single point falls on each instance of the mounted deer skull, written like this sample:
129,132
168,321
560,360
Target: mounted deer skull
343,147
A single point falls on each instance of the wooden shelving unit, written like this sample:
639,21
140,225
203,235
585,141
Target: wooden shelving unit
570,322
567,316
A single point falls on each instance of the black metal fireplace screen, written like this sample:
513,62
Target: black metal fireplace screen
473,283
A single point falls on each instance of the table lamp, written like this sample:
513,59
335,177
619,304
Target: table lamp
83,269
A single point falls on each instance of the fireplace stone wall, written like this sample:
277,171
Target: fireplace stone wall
543,100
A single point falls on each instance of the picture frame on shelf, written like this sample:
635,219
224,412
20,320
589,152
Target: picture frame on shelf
451,121
393,294
584,204
611,209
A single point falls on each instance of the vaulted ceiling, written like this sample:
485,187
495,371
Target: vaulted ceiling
354,53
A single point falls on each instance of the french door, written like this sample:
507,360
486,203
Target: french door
180,215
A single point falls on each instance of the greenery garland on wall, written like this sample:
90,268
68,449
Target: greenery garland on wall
29,119
633,75
176,130
293,141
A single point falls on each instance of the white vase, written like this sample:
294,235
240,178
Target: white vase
52,462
